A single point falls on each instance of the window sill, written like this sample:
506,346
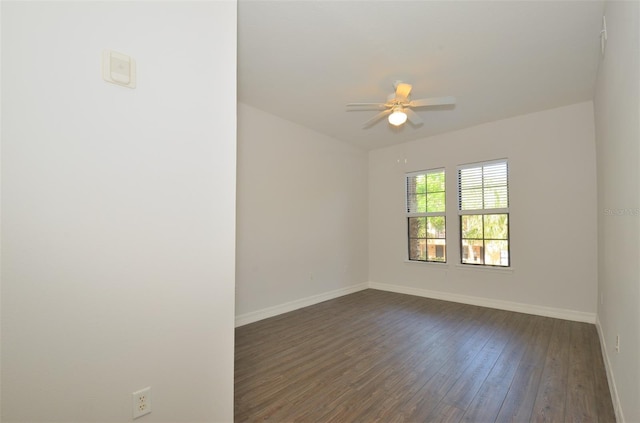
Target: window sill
435,263
481,268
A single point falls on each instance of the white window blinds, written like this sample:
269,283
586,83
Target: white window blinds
483,186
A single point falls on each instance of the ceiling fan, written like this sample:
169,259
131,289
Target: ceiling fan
398,106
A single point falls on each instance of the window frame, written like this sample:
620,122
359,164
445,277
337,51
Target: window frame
409,215
484,211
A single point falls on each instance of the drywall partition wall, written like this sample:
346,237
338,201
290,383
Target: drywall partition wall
301,216
118,212
617,122
552,199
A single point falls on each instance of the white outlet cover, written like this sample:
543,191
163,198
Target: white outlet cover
118,68
141,402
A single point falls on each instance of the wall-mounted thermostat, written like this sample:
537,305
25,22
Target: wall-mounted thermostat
118,68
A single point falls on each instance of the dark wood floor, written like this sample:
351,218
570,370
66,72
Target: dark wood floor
376,356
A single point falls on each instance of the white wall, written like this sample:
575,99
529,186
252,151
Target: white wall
617,119
552,192
118,211
301,216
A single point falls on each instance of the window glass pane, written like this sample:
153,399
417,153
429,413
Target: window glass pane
436,250
496,226
496,253
414,185
436,227
495,174
472,251
417,203
421,203
435,202
435,181
411,203
417,227
470,178
496,197
411,185
417,249
471,199
421,184
471,226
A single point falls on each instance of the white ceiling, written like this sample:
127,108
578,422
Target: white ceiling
304,60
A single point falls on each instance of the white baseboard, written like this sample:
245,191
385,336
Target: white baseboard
577,316
617,408
254,316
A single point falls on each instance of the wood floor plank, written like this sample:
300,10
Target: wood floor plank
455,359
424,380
401,359
445,413
377,356
468,384
380,379
552,392
487,403
518,403
581,400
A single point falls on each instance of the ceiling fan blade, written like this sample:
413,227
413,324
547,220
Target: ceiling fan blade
435,101
376,118
413,117
403,90
368,105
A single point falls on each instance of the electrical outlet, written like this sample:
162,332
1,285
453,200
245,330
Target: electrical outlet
141,402
617,343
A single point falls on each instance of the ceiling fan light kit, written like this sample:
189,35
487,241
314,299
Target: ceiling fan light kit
398,106
398,117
